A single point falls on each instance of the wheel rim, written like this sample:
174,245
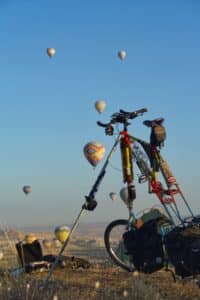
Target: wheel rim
115,246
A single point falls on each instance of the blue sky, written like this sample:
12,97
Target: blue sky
47,109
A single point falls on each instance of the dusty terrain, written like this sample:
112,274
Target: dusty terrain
102,280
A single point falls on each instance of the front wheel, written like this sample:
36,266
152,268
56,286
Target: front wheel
113,238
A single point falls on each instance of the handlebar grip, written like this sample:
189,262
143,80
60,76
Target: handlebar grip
141,111
102,124
138,112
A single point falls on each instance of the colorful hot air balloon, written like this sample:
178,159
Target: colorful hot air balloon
100,106
94,152
113,196
62,233
47,244
124,195
122,54
27,189
51,52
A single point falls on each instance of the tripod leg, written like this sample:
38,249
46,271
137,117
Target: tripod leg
55,263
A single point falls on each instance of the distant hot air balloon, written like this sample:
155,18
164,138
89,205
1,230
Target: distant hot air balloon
100,106
122,54
1,255
47,244
94,152
124,195
30,238
56,242
27,189
62,233
113,196
51,52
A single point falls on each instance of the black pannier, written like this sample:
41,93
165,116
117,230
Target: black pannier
145,247
183,249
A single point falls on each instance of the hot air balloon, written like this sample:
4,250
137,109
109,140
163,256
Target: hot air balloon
51,52
1,255
30,238
124,195
113,196
94,152
122,54
56,242
47,244
100,106
27,189
62,233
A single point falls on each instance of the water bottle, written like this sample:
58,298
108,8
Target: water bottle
142,162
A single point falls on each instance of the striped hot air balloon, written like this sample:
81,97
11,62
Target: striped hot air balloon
94,152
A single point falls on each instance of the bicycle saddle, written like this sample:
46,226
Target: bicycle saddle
154,122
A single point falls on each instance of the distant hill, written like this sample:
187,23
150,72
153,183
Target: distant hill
88,229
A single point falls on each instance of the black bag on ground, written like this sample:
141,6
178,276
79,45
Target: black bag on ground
145,247
183,249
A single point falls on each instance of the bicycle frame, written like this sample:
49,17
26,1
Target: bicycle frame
165,196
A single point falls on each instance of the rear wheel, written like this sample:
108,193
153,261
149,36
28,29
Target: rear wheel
113,238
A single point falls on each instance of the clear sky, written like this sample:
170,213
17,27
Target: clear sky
47,109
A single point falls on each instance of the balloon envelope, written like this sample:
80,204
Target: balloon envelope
100,106
30,238
113,196
94,152
122,54
124,195
51,52
27,189
62,233
56,242
47,243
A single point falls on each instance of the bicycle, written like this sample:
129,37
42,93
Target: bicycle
119,251
116,232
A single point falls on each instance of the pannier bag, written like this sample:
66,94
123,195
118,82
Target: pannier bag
158,135
145,243
183,248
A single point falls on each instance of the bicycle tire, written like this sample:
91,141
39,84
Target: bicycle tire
123,260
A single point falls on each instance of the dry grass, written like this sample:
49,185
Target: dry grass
103,281
97,283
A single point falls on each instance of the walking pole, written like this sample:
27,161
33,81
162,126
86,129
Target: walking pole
90,200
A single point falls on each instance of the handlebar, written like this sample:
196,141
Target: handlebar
122,117
134,114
